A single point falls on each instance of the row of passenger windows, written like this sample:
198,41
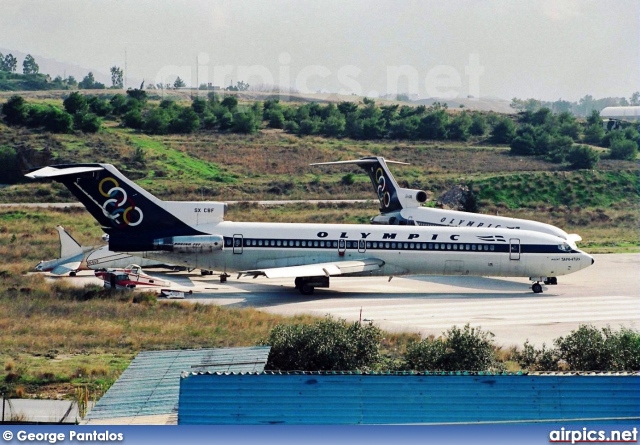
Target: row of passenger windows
327,244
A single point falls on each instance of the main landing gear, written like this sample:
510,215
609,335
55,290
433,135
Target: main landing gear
306,285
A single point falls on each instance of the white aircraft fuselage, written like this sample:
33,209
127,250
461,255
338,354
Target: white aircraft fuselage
403,250
195,235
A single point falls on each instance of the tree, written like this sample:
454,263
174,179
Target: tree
9,63
459,127
179,83
29,65
478,125
504,131
89,83
117,80
157,121
245,122
15,111
582,157
199,105
230,103
75,103
635,99
187,121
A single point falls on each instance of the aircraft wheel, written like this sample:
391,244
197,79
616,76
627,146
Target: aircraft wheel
536,288
72,274
305,289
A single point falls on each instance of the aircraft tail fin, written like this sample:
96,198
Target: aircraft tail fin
68,245
392,197
130,215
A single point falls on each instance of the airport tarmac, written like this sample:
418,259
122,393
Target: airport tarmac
608,293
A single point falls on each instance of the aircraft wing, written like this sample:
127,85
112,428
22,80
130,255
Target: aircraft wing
318,270
65,268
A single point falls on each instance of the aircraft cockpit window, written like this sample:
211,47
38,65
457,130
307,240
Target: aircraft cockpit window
564,247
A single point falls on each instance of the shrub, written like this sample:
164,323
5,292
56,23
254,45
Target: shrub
133,119
52,118
15,111
582,157
327,345
87,122
245,122
593,134
186,121
99,107
75,103
458,128
157,121
478,125
593,349
466,349
624,149
9,168
504,131
533,359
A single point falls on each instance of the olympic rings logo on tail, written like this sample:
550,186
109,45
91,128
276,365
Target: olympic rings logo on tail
383,193
115,207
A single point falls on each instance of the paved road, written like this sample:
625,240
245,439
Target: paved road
608,293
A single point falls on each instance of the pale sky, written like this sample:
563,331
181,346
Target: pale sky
545,49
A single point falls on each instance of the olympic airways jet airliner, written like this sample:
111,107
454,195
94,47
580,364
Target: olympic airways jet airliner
195,235
400,206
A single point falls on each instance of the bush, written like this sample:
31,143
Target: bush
75,103
99,107
327,345
15,111
593,134
624,149
504,131
133,119
157,121
245,122
458,128
582,157
186,121
593,349
478,125
533,359
52,118
466,349
275,118
9,168
87,122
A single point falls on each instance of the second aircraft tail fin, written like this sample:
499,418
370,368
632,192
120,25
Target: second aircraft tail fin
392,197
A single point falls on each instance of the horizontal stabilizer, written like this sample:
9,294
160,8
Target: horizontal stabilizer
363,161
63,269
53,172
318,270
